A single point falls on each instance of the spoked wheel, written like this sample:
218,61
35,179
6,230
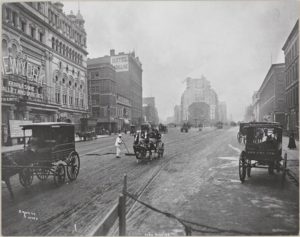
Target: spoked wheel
73,166
26,177
248,168
59,175
284,165
42,173
242,167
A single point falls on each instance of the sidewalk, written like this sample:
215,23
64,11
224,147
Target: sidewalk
292,156
5,149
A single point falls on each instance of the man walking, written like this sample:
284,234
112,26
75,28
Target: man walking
118,144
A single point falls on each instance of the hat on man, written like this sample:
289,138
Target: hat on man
120,135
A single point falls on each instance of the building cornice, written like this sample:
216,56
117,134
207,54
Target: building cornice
294,31
53,29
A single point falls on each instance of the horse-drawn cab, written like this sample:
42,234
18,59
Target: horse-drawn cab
49,151
241,135
263,149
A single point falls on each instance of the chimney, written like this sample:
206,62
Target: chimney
112,52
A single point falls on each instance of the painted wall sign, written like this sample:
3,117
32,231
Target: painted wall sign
23,67
120,63
19,88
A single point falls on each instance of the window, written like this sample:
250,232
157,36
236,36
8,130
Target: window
76,101
70,100
81,102
7,13
41,37
53,43
32,32
57,98
23,26
64,99
14,16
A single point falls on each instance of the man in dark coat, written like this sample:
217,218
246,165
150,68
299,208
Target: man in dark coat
292,143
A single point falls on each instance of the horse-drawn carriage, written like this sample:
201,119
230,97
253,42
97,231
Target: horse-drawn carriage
262,152
148,146
49,151
162,128
241,135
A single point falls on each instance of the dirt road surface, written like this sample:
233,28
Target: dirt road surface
197,180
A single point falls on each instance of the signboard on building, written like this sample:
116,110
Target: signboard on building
16,129
120,63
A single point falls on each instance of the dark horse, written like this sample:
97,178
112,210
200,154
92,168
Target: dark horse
8,172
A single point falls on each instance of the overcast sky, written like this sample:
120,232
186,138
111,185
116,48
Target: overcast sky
231,43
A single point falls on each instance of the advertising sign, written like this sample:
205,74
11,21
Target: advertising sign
120,63
20,88
16,130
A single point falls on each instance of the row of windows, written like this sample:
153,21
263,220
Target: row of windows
292,53
292,73
292,97
69,83
64,50
12,17
103,112
103,86
67,29
65,102
109,73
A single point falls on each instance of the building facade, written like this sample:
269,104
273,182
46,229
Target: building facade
102,95
43,66
177,114
222,112
291,52
199,113
199,90
128,78
150,111
271,95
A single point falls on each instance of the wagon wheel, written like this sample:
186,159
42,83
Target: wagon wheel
59,174
42,173
242,167
248,168
284,165
73,165
26,177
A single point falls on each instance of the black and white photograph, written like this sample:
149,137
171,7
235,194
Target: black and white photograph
150,118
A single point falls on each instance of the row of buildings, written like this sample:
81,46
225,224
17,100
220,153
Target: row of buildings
199,104
277,99
47,77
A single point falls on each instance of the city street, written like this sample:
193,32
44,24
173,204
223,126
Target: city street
196,180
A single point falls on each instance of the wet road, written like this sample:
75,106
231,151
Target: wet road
197,180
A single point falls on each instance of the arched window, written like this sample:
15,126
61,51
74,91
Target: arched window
60,47
4,48
14,50
56,45
53,43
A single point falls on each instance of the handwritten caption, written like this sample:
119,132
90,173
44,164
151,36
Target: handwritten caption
29,215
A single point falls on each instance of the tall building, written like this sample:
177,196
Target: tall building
177,114
102,94
222,112
199,90
128,79
43,66
291,52
149,110
271,95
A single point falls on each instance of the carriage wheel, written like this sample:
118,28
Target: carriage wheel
59,175
242,167
249,168
42,173
284,165
73,165
26,177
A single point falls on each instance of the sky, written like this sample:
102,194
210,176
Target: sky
231,43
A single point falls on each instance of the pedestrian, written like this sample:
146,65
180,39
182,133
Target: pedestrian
117,145
292,143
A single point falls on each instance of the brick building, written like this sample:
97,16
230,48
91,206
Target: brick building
271,95
43,66
291,52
